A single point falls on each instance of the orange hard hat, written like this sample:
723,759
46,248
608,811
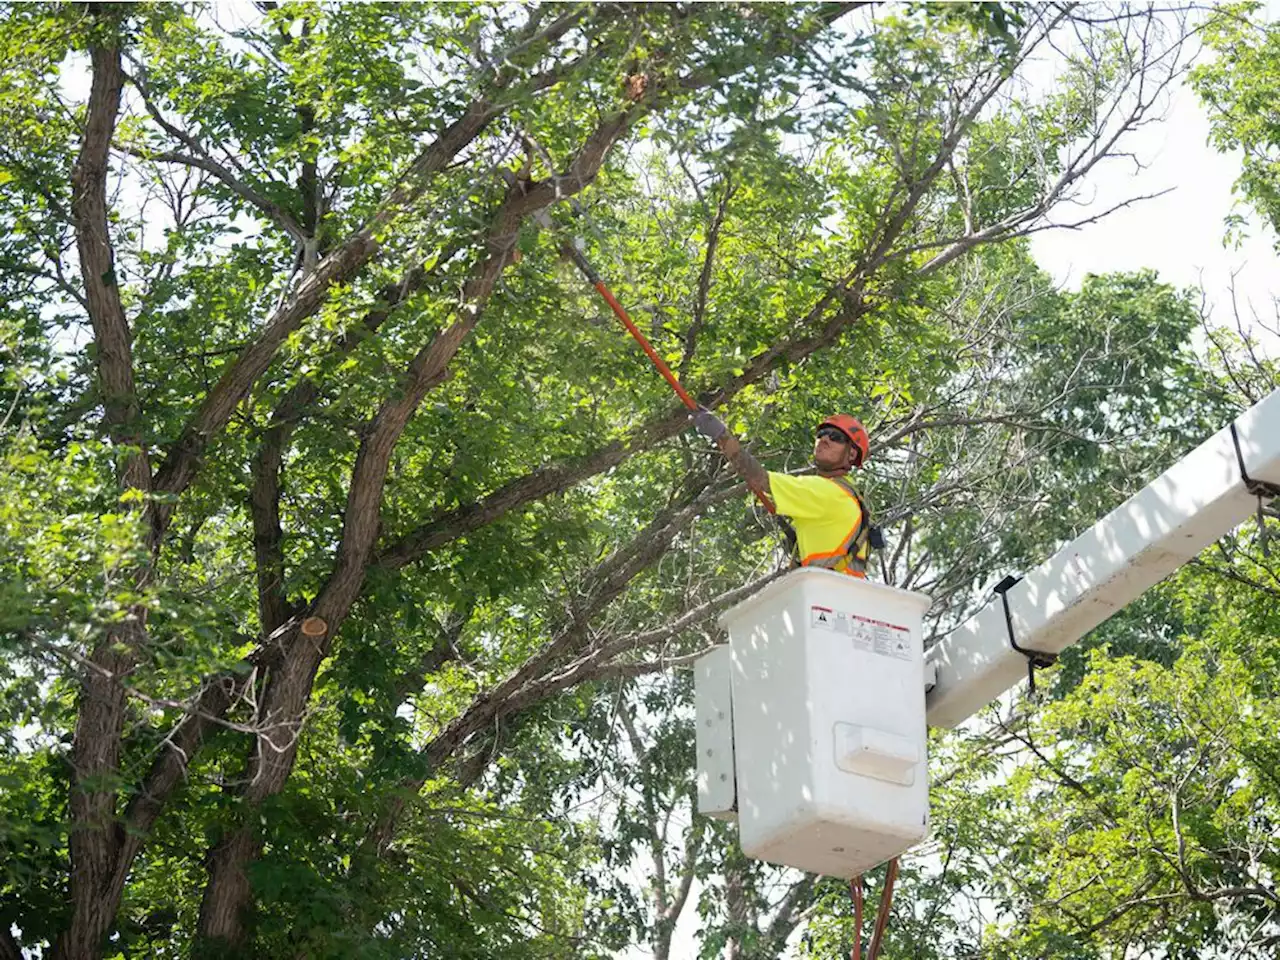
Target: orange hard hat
852,428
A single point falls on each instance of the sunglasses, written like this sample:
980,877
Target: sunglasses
831,433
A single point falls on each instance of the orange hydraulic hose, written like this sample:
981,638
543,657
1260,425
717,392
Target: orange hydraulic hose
855,891
882,918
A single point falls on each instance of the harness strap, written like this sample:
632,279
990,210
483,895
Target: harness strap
852,547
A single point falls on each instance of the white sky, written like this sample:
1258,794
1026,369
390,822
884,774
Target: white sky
1182,234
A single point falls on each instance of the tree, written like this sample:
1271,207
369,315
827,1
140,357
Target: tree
1236,86
332,516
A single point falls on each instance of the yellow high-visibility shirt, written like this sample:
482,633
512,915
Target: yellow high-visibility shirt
825,514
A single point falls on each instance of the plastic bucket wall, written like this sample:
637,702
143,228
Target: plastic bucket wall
828,722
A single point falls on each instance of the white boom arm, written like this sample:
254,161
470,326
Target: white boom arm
1199,499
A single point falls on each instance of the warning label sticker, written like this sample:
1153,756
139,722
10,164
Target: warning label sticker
874,636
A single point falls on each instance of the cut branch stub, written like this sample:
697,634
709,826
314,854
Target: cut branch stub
314,627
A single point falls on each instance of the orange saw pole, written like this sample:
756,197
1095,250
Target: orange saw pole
576,257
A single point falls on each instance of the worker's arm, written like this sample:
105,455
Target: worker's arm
748,467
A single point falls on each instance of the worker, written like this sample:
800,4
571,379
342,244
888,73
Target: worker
830,524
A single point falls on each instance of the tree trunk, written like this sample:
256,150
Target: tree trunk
96,835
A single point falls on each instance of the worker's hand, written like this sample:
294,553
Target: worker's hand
708,424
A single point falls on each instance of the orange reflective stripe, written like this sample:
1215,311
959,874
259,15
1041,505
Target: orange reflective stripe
830,563
815,559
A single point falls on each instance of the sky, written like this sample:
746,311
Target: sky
1181,234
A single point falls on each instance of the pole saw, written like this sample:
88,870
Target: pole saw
569,251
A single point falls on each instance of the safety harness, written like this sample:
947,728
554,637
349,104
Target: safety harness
856,545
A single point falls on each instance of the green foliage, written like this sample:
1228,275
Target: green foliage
1134,813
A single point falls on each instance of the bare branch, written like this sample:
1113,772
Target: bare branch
1101,146
704,279
277,214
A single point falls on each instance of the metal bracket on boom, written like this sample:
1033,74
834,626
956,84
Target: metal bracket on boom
1035,658
1261,489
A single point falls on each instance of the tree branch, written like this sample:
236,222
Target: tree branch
273,607
95,753
169,769
182,460
521,687
264,508
786,914
9,949
704,279
112,337
277,214
339,266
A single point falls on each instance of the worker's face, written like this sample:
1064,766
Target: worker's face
832,450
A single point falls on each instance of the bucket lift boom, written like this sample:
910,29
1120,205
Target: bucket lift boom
1202,497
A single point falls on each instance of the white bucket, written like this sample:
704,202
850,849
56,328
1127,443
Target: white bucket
829,735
